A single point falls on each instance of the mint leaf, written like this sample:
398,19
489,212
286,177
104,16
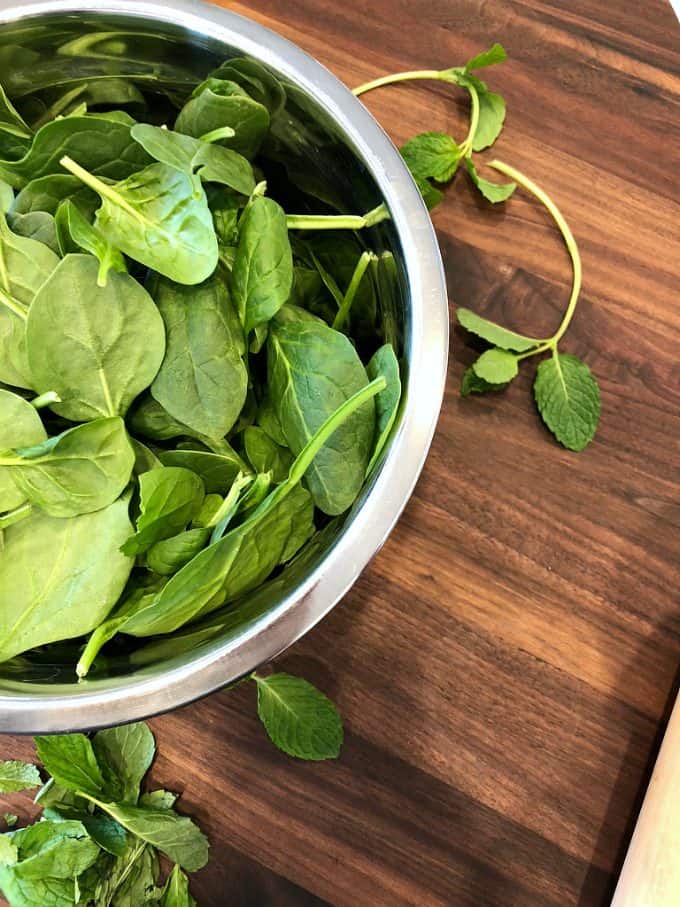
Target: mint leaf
10,819
300,720
175,836
158,799
568,399
494,333
471,383
106,832
16,776
431,195
493,192
496,366
491,117
176,891
8,851
71,761
432,155
128,752
495,54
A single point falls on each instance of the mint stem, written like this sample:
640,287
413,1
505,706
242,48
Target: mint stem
569,240
397,77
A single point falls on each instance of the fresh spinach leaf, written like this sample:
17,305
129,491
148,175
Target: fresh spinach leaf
170,555
20,426
75,233
80,471
39,600
217,103
160,218
218,471
262,276
384,362
170,497
97,347
102,145
266,455
203,380
312,370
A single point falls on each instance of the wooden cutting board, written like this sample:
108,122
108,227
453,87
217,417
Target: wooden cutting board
504,666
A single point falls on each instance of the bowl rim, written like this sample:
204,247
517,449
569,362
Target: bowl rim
109,701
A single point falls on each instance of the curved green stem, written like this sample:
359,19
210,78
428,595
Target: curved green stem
397,77
466,147
337,221
215,135
357,277
46,399
567,235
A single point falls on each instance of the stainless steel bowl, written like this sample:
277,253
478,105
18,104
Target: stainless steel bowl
338,143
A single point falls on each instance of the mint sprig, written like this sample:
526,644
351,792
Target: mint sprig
566,392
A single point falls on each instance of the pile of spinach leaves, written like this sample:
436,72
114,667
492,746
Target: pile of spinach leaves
184,398
100,836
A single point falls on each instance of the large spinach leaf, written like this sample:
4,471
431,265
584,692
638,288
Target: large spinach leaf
20,426
25,264
102,145
97,347
203,380
44,599
159,217
312,371
262,276
82,470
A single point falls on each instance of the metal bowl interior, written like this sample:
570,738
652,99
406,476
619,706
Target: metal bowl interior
335,150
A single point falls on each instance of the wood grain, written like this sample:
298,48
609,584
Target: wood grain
504,665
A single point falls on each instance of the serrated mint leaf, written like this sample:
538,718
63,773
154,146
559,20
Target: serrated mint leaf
159,799
128,752
8,851
492,192
176,891
174,835
495,54
431,195
300,720
471,383
432,155
496,366
71,761
16,776
568,399
494,333
106,832
491,117
10,819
